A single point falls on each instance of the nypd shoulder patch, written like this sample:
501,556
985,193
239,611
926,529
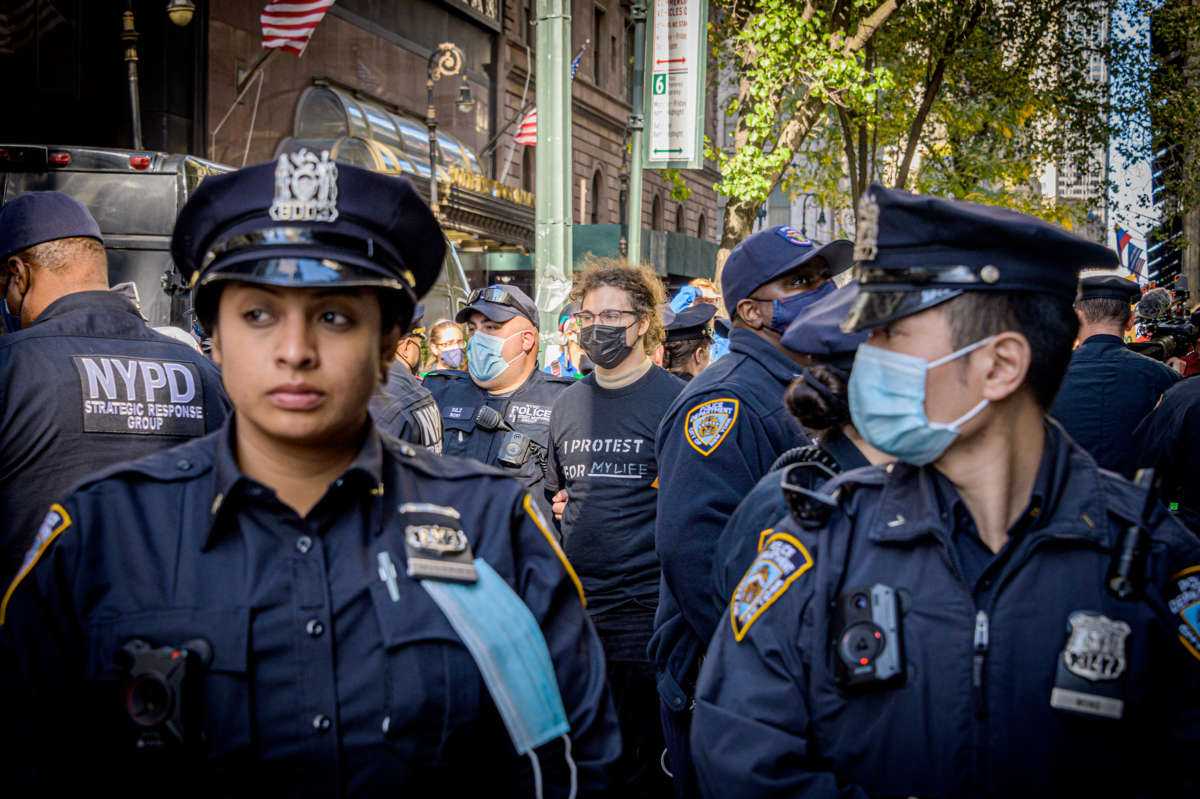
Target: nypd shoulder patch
1183,599
780,561
708,423
55,522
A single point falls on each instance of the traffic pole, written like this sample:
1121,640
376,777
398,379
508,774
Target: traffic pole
637,125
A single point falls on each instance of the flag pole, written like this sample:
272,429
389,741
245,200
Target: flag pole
243,86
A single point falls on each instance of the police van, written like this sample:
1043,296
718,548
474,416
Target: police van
135,197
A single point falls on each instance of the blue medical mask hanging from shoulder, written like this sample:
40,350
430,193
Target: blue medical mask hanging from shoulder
887,403
485,360
785,310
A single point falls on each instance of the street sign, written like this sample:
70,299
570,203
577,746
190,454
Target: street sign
676,73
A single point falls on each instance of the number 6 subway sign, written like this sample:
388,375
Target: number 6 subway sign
676,74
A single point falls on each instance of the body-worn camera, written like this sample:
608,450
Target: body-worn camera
162,691
868,648
515,449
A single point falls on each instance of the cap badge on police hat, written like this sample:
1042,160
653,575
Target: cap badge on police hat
305,188
866,239
793,236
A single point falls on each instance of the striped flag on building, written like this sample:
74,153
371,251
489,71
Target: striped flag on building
527,130
289,25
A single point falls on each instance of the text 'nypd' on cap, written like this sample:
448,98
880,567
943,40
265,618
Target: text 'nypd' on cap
773,252
306,220
915,251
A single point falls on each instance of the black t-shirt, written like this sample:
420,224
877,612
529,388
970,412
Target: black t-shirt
602,452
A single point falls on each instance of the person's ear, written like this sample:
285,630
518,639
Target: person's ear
643,326
1080,317
389,342
700,356
17,273
532,341
748,311
214,339
1006,361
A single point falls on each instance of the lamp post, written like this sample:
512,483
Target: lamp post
445,61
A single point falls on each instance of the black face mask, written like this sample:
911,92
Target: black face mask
605,344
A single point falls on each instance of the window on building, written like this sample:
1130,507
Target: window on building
701,227
528,17
528,177
614,56
597,44
597,216
656,214
679,218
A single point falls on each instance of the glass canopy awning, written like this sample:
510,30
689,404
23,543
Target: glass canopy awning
477,213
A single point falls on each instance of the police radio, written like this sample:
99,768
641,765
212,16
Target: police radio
868,648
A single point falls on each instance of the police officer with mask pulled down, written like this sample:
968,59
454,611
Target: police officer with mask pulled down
84,381
498,412
1109,388
720,435
297,605
975,620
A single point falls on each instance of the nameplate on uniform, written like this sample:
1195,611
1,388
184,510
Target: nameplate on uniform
435,545
528,413
458,412
140,396
1092,666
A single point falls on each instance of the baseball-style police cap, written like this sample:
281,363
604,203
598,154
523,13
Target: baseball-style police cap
37,217
693,321
499,303
1109,287
306,221
818,328
769,253
915,251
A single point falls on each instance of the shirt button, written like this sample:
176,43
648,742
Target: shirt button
303,544
387,724
314,628
183,464
338,482
321,722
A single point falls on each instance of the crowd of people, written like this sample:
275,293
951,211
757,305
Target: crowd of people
830,528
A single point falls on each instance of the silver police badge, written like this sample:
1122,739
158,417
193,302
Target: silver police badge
435,538
305,188
866,236
1095,648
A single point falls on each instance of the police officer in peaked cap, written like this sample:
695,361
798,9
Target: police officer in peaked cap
720,435
1108,387
946,626
689,336
84,381
498,410
297,604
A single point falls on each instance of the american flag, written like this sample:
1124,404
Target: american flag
289,25
527,130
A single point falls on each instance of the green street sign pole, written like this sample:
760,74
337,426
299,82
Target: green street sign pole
552,234
637,127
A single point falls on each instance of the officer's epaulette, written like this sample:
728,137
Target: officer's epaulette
184,462
435,465
559,379
452,374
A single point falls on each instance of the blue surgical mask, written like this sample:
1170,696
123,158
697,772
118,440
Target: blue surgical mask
784,311
507,645
453,358
12,322
484,359
887,404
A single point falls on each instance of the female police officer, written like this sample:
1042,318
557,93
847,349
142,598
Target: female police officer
310,607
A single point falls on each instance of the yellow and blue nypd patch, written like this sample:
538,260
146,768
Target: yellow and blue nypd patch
708,423
780,561
55,522
1183,599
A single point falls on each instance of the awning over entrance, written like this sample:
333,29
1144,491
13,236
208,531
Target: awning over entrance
477,213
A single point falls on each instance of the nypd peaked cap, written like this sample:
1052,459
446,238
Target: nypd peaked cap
1109,287
915,251
305,220
693,321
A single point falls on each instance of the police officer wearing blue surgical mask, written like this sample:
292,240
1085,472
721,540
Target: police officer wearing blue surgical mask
993,616
297,604
498,412
717,439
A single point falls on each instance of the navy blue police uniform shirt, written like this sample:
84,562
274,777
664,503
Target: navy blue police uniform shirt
89,384
754,520
406,410
770,719
602,453
321,683
1168,439
1107,390
720,436
527,410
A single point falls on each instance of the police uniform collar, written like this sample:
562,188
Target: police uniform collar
86,301
1103,338
748,343
229,483
919,500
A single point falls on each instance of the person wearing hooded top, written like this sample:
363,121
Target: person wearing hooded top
817,399
720,436
604,477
